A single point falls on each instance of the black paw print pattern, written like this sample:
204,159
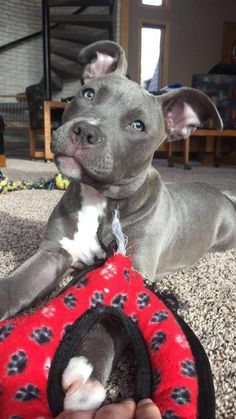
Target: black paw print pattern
169,414
119,301
181,395
159,316
158,339
156,379
42,335
17,364
126,273
188,368
26,393
97,298
82,282
143,300
5,331
70,301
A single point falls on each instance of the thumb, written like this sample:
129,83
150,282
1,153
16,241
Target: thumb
146,409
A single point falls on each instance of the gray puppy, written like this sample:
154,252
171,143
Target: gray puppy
106,144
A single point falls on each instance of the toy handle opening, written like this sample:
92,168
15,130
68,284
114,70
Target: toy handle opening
69,344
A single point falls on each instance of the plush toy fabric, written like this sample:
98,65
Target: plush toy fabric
28,344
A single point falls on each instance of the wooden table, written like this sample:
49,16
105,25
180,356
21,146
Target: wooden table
229,133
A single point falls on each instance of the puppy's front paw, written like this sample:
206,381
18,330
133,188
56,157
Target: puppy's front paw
81,392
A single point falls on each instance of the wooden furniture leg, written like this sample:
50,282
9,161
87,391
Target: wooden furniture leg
47,131
217,151
170,154
2,161
186,154
2,148
33,133
32,142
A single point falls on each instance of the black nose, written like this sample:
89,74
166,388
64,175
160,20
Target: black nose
85,133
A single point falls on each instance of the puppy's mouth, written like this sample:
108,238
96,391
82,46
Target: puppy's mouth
72,169
68,166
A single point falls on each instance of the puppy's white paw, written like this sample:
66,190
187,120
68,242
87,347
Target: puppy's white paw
78,369
82,393
86,396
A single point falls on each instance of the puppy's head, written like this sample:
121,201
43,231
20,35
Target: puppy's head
113,126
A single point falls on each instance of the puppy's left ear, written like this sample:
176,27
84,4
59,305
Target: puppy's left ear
101,58
185,110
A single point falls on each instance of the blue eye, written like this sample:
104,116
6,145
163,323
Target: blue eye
138,125
88,94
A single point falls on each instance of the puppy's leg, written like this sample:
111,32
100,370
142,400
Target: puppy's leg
32,281
85,376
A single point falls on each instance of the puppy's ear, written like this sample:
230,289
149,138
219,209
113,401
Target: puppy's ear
101,58
185,110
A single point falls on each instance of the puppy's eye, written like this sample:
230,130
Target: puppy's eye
88,94
138,125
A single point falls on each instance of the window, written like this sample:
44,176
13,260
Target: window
162,4
154,38
150,58
152,2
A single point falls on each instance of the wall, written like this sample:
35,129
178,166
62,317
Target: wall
22,65
195,39
196,31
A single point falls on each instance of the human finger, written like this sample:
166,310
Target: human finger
146,409
77,415
122,410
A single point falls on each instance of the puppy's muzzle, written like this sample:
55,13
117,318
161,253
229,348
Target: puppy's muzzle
84,134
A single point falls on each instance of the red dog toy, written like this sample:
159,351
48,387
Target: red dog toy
172,367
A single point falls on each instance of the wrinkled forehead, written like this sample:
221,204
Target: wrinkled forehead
119,88
118,96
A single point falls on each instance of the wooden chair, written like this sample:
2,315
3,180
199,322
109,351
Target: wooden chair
46,132
2,160
2,154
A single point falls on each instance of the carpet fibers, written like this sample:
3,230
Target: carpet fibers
206,290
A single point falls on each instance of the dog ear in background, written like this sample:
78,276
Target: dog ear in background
102,57
185,110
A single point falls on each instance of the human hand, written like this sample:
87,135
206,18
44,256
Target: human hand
123,410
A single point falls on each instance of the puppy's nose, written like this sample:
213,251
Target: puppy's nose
85,133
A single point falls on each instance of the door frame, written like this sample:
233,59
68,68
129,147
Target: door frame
166,5
229,28
124,25
165,26
124,39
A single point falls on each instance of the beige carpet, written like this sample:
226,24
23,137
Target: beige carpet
206,290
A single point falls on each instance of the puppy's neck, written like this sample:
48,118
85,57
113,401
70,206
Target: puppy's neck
125,188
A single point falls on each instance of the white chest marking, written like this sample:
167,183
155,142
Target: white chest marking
85,246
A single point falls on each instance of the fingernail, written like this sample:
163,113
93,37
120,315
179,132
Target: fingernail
128,400
143,402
